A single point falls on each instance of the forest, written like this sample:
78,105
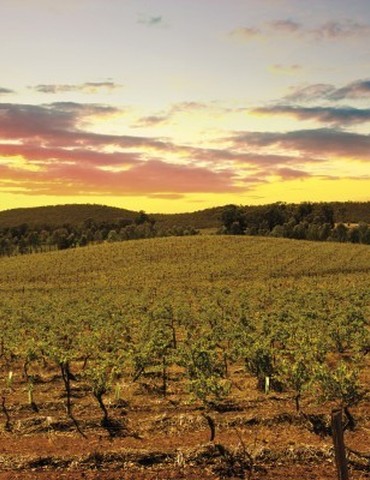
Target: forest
43,229
305,221
23,239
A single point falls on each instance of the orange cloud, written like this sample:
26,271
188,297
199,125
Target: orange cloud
151,177
45,151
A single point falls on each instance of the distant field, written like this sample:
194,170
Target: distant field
163,331
191,260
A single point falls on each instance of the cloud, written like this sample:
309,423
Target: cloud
358,89
5,91
166,196
285,69
322,142
310,92
57,125
36,155
322,91
287,25
87,87
19,121
150,20
242,158
333,30
347,28
48,149
82,109
188,106
147,178
166,117
291,173
245,33
47,152
331,115
151,120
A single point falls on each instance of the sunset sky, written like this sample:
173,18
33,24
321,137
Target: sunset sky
180,105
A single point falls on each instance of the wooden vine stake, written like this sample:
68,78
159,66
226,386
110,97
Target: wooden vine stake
339,447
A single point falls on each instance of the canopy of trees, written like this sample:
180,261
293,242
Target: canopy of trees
23,238
309,221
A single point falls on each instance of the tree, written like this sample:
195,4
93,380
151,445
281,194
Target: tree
300,231
348,330
101,376
233,219
303,212
109,348
154,345
324,214
340,233
113,236
324,231
83,240
259,361
275,215
34,240
296,368
340,384
141,218
364,233
60,238
205,370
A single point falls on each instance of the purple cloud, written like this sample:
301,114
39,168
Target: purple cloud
5,91
87,87
317,142
321,91
334,30
287,25
331,115
358,89
245,33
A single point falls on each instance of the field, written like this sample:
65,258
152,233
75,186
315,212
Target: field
120,361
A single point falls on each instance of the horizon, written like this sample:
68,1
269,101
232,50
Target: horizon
175,213
176,107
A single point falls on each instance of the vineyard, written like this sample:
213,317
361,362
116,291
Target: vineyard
199,357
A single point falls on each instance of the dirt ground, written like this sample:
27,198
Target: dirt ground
152,437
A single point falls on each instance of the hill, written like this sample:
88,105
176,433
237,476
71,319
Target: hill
59,215
143,345
76,214
199,260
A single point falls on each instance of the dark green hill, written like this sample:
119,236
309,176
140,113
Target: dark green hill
75,214
209,218
58,215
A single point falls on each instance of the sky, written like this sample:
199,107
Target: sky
180,105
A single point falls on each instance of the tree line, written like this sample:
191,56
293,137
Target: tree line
23,239
305,221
